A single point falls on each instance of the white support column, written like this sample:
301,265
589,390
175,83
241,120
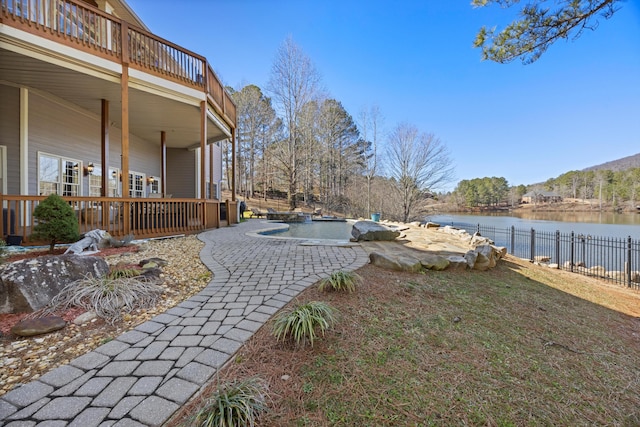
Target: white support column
24,142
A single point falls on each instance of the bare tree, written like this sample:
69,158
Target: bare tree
294,82
256,128
370,127
418,163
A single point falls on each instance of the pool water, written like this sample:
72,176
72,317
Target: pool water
337,230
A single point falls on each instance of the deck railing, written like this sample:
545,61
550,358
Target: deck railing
144,218
84,27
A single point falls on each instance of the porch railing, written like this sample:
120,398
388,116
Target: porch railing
84,27
144,218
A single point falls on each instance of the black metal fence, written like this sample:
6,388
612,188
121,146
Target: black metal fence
613,259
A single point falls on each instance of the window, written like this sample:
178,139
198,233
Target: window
136,184
154,185
58,175
95,182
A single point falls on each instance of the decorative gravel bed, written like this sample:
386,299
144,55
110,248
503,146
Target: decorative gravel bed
25,359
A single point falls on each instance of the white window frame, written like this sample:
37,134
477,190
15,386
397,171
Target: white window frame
154,184
95,185
137,184
65,183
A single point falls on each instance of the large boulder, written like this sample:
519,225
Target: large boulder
30,284
373,231
401,263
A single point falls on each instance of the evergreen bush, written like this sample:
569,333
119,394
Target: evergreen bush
56,222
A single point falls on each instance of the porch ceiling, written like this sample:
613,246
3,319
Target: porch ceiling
149,114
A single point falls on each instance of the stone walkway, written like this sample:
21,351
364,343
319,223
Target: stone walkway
143,377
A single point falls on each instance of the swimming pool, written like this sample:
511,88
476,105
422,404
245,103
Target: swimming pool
335,230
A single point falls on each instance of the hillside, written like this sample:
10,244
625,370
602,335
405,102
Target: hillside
618,165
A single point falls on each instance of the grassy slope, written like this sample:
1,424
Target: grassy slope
518,345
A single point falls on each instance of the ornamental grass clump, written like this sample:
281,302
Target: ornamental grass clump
301,322
340,280
233,404
109,298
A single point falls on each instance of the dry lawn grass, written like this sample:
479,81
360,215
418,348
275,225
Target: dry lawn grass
520,345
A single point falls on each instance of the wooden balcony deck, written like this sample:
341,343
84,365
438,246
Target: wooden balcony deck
144,218
83,27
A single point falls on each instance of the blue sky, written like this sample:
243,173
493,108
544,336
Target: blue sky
577,106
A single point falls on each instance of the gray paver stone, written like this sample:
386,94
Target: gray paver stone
232,320
153,367
62,408
196,373
118,369
90,360
145,342
212,358
249,325
90,417
52,423
178,390
19,423
209,328
169,333
70,388
145,386
61,376
129,423
29,410
191,330
164,318
132,337
93,387
129,354
218,315
153,410
186,341
114,392
124,406
190,303
226,345
204,313
27,394
177,311
238,334
6,409
194,321
188,355
258,317
171,353
112,348
153,350
149,327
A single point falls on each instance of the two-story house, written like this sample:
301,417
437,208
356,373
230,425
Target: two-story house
123,124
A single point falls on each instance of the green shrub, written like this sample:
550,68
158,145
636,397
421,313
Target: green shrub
233,404
109,298
340,281
56,222
300,322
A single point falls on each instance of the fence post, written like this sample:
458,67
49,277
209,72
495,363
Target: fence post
533,245
478,228
572,251
558,248
513,240
628,261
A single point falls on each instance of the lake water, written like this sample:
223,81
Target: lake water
605,224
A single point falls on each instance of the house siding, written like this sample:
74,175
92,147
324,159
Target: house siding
10,134
58,129
180,167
